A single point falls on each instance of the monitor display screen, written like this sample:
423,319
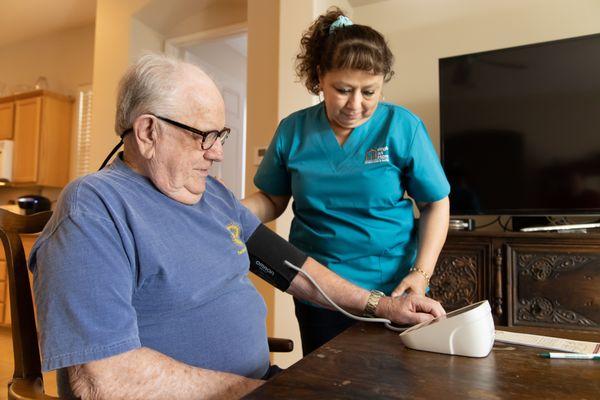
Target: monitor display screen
520,129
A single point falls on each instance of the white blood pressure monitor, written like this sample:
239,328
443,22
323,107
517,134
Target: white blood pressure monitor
468,331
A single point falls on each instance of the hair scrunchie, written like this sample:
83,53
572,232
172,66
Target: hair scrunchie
340,22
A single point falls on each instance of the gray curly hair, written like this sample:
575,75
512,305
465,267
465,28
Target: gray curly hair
150,86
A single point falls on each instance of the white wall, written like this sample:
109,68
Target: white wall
421,32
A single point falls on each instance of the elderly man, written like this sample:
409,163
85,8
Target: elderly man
141,275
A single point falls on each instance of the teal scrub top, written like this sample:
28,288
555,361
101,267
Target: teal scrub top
350,209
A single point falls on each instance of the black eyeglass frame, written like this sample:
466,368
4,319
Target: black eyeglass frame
222,135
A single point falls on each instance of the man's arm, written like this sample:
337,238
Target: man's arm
146,374
409,309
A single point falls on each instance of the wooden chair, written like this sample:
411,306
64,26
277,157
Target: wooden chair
27,382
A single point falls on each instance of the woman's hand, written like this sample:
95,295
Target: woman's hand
413,283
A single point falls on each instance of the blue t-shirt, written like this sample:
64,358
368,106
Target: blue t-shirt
120,265
350,209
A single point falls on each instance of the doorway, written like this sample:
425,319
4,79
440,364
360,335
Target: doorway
222,54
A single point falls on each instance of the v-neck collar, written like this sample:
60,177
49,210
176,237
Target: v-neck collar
336,154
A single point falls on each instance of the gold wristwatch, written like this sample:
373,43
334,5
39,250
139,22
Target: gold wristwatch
372,302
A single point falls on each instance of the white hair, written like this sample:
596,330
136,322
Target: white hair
150,86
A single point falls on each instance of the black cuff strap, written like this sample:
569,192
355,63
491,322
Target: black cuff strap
268,251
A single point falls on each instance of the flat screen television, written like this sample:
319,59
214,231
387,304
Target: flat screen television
520,129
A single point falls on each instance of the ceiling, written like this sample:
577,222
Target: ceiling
163,15
359,3
25,19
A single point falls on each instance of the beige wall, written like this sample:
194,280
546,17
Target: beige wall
111,58
143,39
65,58
262,103
421,32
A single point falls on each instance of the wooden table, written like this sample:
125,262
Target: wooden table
369,362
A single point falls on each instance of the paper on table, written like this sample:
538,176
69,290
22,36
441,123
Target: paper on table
548,342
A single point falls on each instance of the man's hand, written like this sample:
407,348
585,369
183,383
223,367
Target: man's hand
409,309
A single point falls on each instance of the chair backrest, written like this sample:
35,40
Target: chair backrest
27,374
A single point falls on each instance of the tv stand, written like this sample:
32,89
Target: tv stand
542,279
562,228
519,222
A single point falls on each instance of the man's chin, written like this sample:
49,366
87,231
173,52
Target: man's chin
186,195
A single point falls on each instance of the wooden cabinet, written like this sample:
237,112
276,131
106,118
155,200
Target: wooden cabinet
530,279
28,241
7,118
39,122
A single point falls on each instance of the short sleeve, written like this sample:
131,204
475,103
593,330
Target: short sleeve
273,176
83,288
426,181
248,221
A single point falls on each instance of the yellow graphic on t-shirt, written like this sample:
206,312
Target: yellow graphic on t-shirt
235,237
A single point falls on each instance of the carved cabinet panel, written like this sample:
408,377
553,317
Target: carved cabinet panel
555,285
460,276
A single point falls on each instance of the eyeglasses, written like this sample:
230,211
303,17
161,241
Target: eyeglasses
208,138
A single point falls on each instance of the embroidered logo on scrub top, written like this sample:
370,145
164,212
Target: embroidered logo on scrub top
235,238
377,155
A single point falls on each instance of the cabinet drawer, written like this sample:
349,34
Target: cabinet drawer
555,286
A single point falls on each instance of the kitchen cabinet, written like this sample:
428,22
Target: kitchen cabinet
7,115
5,320
39,122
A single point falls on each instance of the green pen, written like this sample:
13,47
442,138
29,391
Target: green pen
571,356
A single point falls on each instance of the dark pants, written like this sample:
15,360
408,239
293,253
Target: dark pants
318,325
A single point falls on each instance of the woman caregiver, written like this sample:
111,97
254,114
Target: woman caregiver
348,162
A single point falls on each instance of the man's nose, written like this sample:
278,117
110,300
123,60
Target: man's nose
215,153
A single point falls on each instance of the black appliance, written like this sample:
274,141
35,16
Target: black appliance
520,129
33,203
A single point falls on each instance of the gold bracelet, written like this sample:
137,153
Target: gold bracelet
419,270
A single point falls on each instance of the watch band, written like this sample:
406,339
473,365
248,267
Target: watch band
372,303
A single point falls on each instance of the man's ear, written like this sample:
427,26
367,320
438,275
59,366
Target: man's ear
145,134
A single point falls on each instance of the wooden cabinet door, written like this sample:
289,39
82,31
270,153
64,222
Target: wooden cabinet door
555,285
7,120
55,142
27,139
461,275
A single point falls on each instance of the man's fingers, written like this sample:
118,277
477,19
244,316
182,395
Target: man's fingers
420,317
425,304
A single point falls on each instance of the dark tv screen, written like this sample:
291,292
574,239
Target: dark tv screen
520,129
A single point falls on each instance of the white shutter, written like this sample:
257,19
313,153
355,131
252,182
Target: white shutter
84,130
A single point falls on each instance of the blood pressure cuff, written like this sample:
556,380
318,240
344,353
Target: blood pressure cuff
268,251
